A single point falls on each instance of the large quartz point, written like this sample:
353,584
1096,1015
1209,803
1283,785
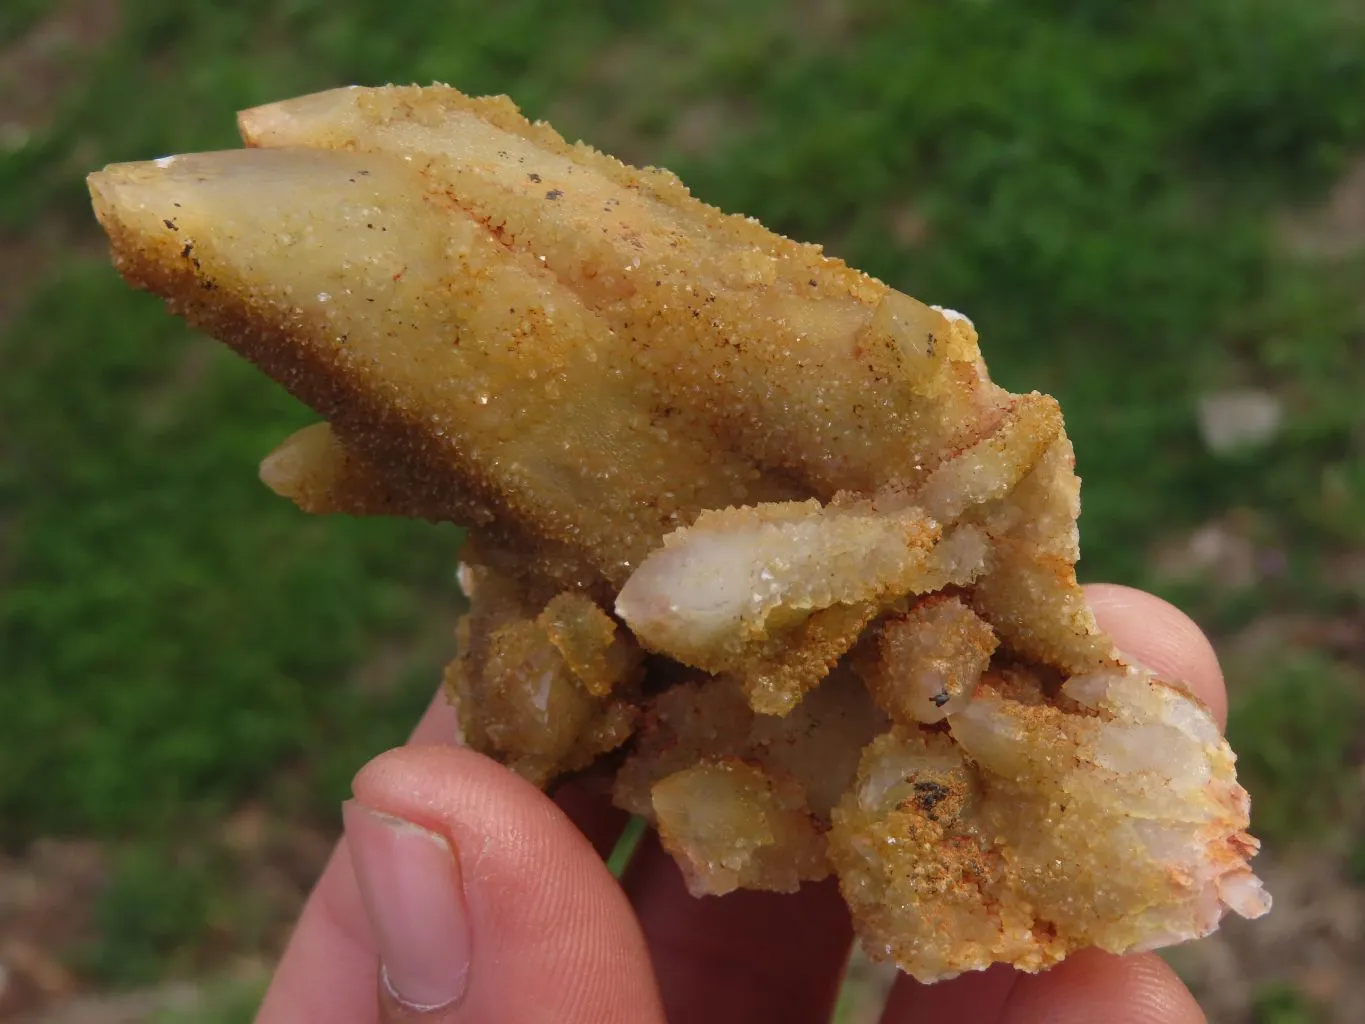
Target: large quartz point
746,527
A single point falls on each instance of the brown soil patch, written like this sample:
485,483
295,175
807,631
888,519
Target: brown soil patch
1334,230
45,903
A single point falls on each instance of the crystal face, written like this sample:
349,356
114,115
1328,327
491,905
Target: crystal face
746,520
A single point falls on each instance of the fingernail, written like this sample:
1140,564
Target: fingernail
410,882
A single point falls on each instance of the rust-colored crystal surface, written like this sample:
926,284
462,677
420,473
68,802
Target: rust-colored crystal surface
747,528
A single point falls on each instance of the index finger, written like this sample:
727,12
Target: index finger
1161,637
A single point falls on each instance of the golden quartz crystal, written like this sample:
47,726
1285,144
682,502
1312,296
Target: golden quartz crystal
744,518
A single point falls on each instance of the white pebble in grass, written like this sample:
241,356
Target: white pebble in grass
1233,421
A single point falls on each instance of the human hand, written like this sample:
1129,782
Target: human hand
487,902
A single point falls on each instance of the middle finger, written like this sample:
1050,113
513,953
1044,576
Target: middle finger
743,958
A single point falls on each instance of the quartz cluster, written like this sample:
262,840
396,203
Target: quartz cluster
747,529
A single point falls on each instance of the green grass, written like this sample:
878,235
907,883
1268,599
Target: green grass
173,630
1095,183
1281,1003
157,909
1296,727
626,845
19,16
230,1002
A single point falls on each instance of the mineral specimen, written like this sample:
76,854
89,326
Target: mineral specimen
750,521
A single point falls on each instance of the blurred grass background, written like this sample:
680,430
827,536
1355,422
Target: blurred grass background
1154,210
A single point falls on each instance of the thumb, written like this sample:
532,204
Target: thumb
464,895
485,902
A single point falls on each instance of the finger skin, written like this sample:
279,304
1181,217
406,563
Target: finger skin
976,997
1163,638
589,807
744,958
554,939
330,969
1090,986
